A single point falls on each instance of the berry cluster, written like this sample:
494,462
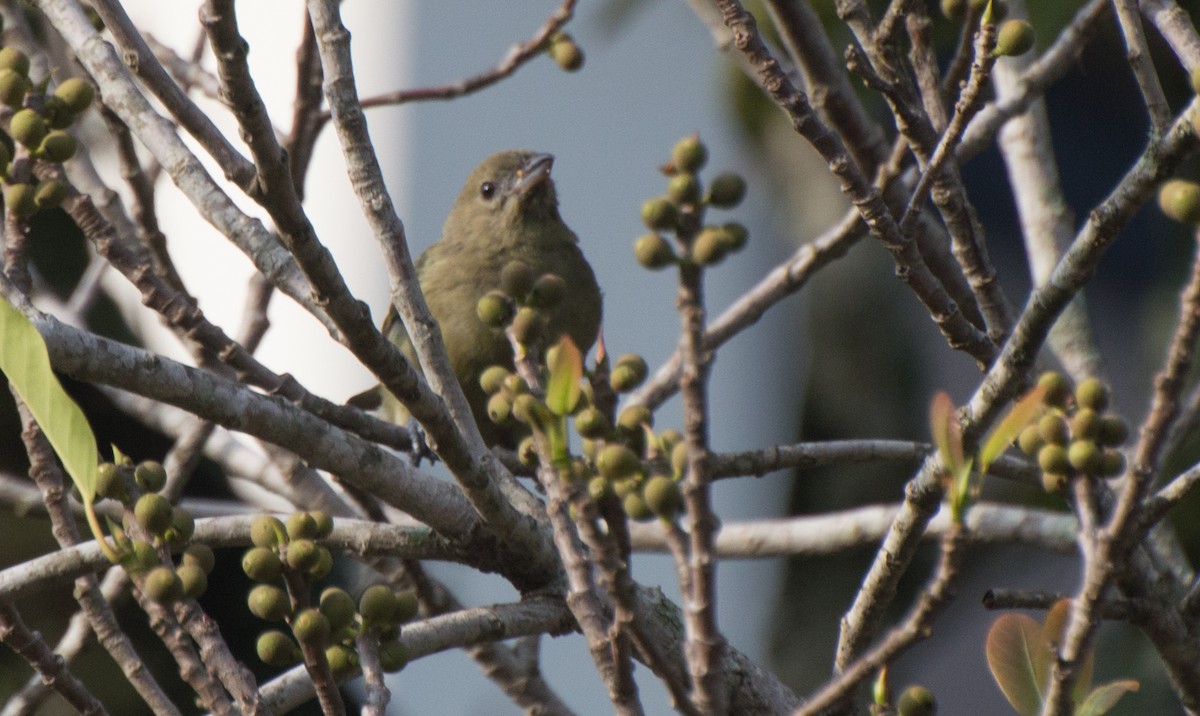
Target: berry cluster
521,302
1075,436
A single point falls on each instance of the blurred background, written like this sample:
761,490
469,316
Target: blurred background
854,356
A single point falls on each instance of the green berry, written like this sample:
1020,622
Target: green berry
499,408
515,384
495,309
591,423
727,190
1054,429
954,9
528,326
633,418
516,279
684,188
492,379
659,214
269,603
1055,482
565,53
301,525
143,557
194,580
616,461
636,507
1092,393
13,59
653,252
734,236
393,656
1057,389
1085,457
1085,424
527,451
28,128
1014,38
598,488
182,527
1180,200
20,199
529,410
153,513
76,94
262,564
407,606
1113,430
110,482
662,496
200,555
302,554
377,605
311,627
324,522
162,585
342,660
629,372
1112,463
276,649
13,87
916,700
56,114
150,475
1030,440
322,567
708,248
338,607
548,291
58,146
679,458
1053,458
267,531
689,155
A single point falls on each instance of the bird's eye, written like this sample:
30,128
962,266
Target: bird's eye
487,190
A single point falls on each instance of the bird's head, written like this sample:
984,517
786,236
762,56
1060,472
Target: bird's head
508,189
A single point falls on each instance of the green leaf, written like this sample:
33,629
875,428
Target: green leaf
1016,652
1001,436
947,434
566,368
1105,697
26,363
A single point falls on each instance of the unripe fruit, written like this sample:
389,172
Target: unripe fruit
684,188
591,423
338,607
916,700
527,451
13,87
515,384
262,564
548,291
616,461
28,128
324,522
377,605
565,53
342,660
143,557
1015,37
276,649
598,488
200,555
267,531
20,199
708,248
1057,389
1053,458
689,155
1085,424
495,309
679,458
194,580
516,279
727,190
625,487
1113,430
499,408
492,379
110,482
407,606
527,326
662,496
636,507
954,9
633,418
1055,482
58,146
625,378
1180,200
529,410
302,554
162,585
311,627
393,656
1085,457
76,94
300,525
1112,463
659,214
56,114
653,252
1030,440
1054,429
323,566
636,364
734,236
13,59
153,513
1092,393
182,527
150,475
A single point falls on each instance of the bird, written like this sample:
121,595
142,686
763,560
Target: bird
507,211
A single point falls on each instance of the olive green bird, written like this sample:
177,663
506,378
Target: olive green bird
507,211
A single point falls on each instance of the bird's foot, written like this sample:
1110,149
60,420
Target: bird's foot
420,445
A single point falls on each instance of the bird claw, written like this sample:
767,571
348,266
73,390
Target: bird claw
420,447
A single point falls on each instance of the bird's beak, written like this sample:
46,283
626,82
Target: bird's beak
534,171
